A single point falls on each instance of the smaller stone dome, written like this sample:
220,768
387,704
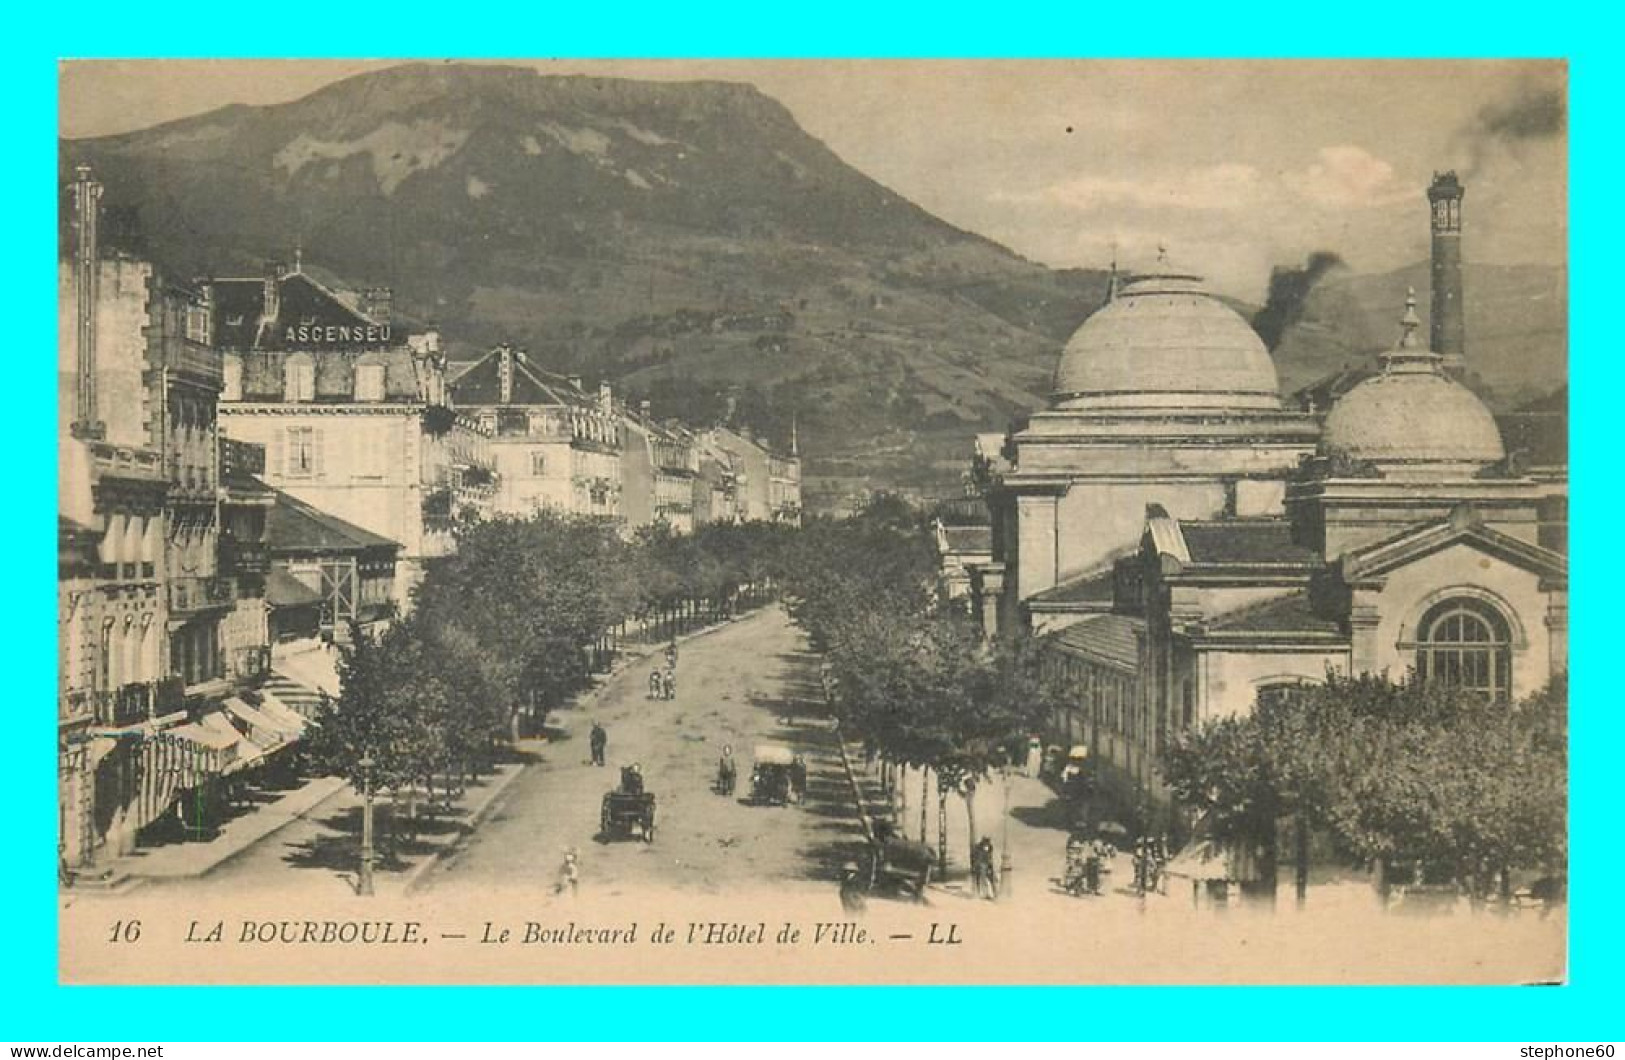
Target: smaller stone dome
1411,417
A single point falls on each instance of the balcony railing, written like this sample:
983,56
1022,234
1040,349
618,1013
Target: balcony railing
124,461
188,595
134,703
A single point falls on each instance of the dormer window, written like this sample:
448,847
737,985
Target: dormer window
369,382
299,378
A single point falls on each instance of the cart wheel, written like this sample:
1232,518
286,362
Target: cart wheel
603,822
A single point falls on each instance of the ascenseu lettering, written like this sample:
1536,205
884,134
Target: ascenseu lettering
323,333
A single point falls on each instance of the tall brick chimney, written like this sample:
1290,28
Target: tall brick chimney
1448,329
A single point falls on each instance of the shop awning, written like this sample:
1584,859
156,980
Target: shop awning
282,714
263,730
213,740
248,753
216,751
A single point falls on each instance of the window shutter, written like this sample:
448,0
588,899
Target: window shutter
273,457
316,452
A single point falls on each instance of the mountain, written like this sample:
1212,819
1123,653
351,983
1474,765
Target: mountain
691,244
687,241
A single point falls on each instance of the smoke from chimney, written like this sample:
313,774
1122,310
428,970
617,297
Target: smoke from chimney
1289,291
1535,112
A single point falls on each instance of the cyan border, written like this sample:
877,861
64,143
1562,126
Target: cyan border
32,1007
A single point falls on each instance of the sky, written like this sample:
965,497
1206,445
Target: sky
1234,166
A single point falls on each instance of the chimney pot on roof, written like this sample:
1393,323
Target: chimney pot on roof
378,303
606,398
272,298
643,407
575,381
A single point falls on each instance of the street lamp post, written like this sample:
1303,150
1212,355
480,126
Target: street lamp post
364,885
1006,868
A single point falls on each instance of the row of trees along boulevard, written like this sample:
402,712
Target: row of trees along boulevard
910,676
1422,783
512,626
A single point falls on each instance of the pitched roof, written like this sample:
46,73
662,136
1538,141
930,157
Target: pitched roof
240,485
239,306
968,538
480,383
284,590
294,526
1245,541
1096,587
1110,639
1289,614
1463,526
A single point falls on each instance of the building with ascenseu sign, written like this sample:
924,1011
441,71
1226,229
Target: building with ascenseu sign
353,414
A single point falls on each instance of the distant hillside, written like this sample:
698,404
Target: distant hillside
690,243
674,238
1517,327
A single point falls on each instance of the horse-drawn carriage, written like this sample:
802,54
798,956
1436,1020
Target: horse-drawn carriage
628,808
778,776
901,867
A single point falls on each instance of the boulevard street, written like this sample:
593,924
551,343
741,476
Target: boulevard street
741,685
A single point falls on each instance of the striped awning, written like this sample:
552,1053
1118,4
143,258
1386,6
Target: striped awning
247,753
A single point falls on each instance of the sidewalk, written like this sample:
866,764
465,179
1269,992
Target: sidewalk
237,835
1033,834
335,799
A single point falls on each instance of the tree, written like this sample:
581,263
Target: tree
1456,786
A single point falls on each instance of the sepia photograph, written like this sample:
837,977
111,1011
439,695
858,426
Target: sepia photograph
992,522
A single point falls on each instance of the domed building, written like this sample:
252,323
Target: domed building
1164,395
1186,547
1411,420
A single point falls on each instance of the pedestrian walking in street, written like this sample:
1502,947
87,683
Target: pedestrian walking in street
655,684
569,876
798,779
982,871
1077,848
670,684
599,739
727,772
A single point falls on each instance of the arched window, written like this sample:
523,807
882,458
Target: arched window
1464,643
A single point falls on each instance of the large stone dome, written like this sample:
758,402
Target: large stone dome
1411,417
1165,342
